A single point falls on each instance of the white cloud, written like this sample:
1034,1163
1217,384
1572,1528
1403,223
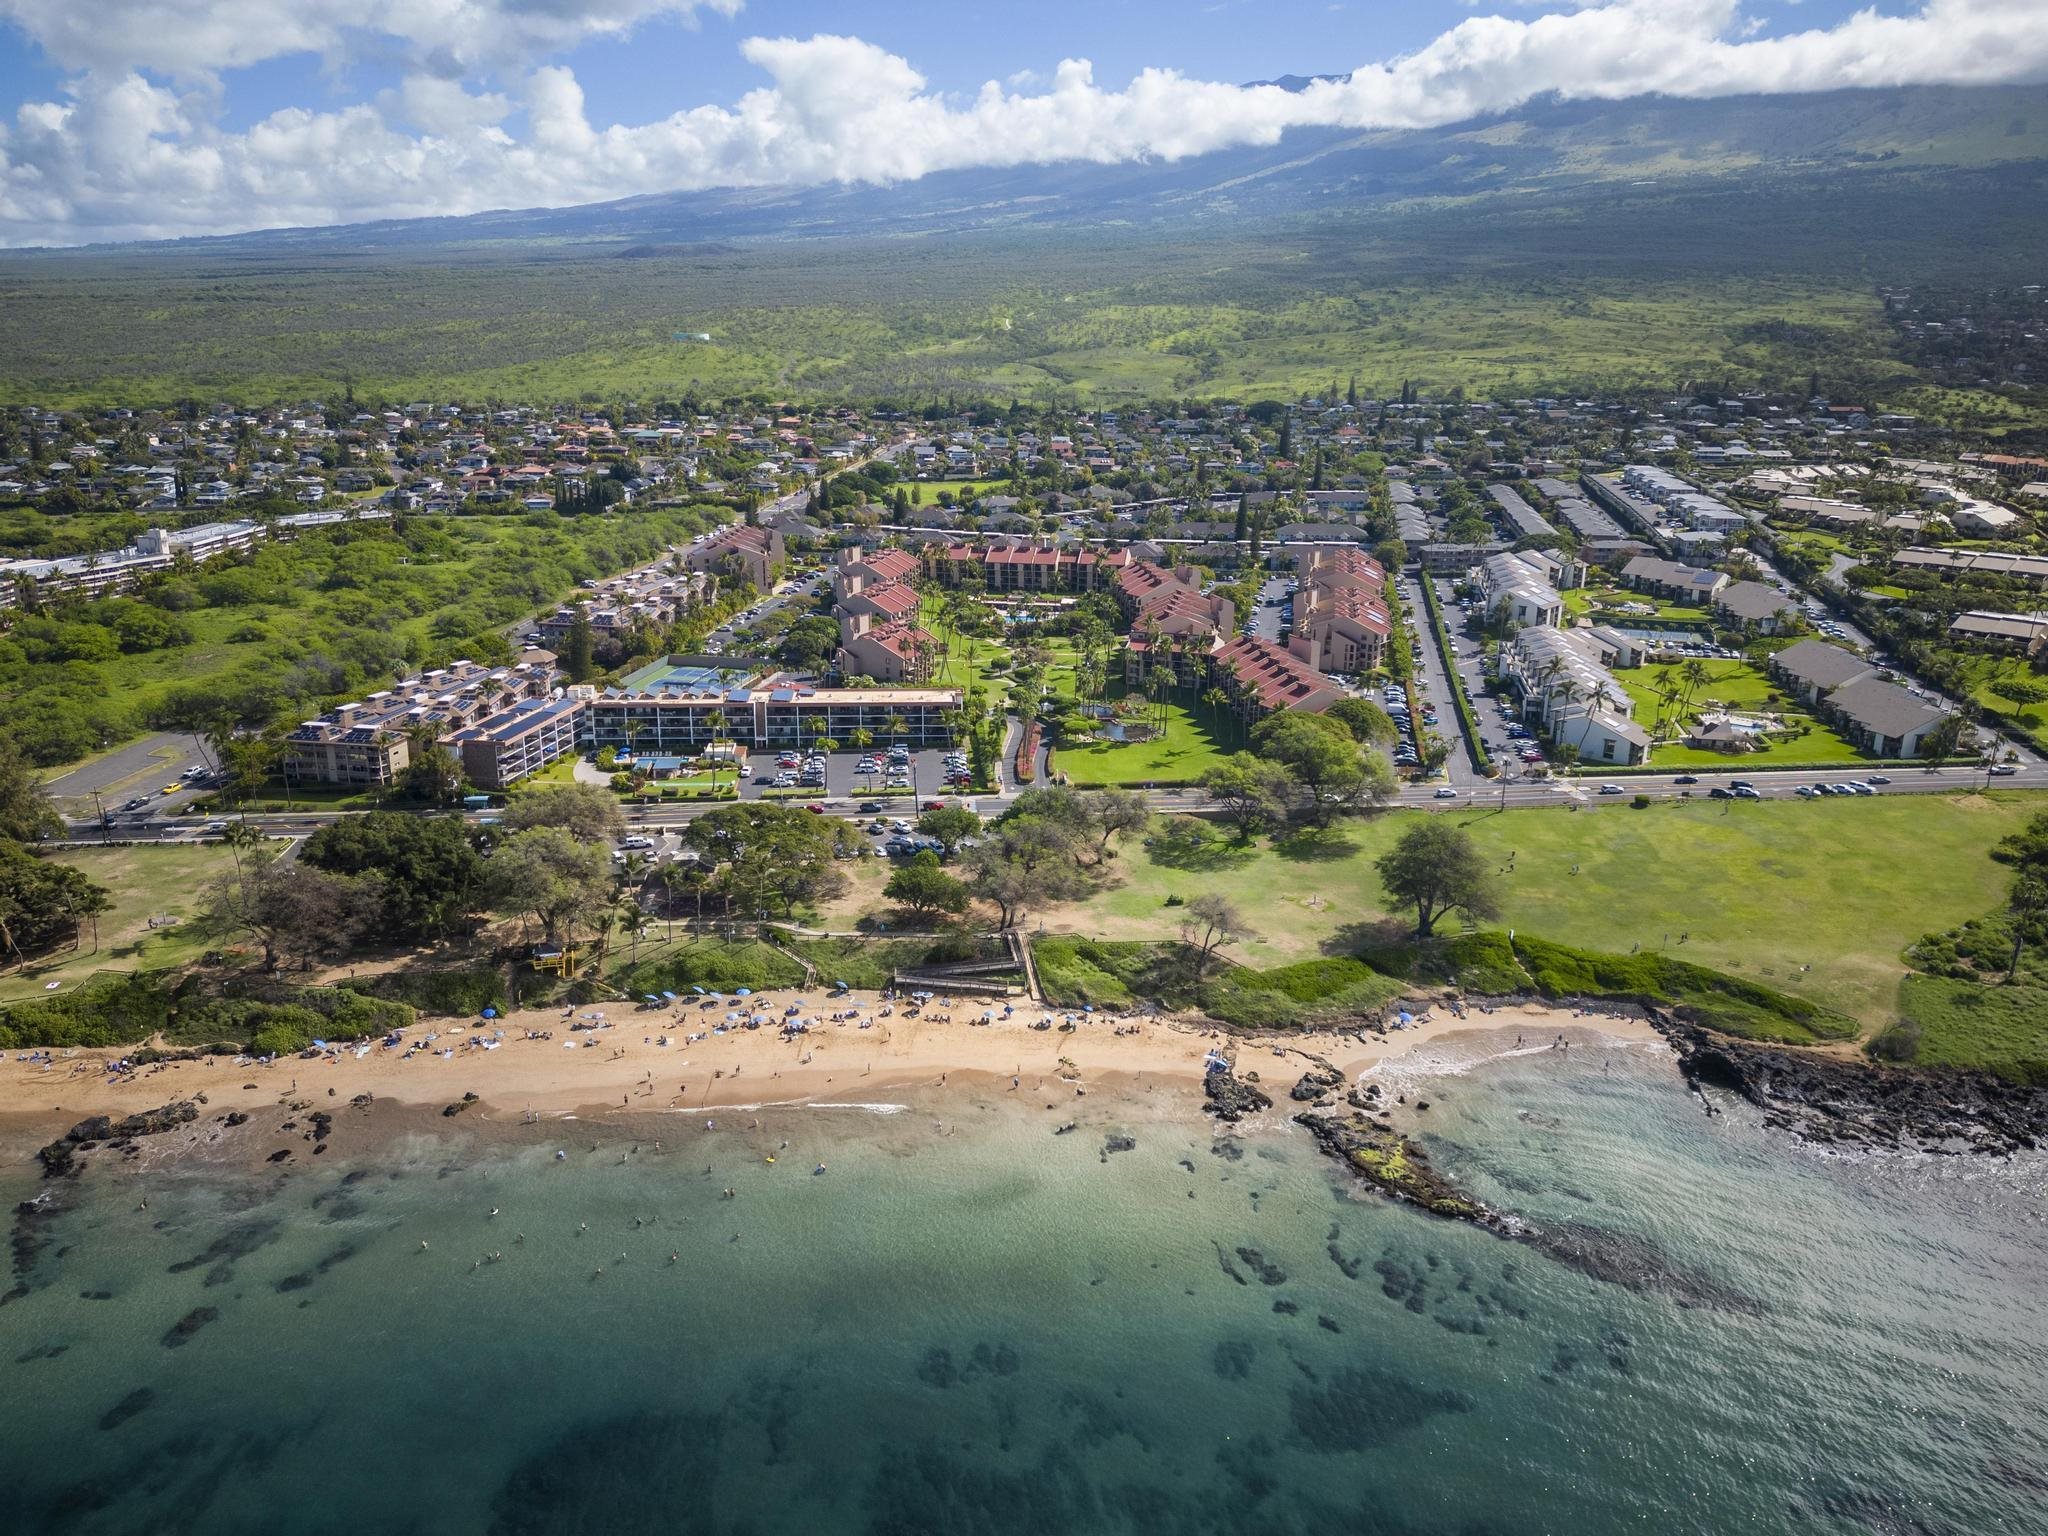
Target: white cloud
122,157
194,40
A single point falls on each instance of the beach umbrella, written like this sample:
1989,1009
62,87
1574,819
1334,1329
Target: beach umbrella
319,1045
842,986
671,997
743,992
490,1013
698,990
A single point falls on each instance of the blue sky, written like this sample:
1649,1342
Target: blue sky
136,119
669,63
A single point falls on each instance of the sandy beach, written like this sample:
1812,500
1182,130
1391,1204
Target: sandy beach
857,1049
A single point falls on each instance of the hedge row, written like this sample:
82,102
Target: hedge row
1459,702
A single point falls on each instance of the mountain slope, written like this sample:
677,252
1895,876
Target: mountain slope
1547,146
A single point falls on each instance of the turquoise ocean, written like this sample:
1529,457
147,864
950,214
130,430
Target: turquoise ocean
969,1324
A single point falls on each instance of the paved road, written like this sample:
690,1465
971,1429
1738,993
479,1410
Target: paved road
1488,794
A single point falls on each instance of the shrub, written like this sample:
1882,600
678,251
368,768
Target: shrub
1718,1001
460,993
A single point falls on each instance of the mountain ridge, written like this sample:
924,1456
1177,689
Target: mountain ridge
1545,144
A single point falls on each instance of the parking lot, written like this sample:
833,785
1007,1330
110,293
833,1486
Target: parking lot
922,772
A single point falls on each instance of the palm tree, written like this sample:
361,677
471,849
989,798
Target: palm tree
633,918
668,877
861,737
1159,684
239,837
1215,700
896,727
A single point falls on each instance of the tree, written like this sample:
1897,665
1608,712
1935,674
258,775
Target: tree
1435,867
2026,909
949,824
25,810
291,911
1367,722
1252,792
426,869
924,887
579,648
1946,738
768,857
1335,773
585,811
1115,813
42,903
1211,922
546,874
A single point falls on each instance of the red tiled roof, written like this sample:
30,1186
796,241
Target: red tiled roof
1275,678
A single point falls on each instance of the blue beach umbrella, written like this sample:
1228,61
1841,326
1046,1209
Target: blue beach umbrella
490,1013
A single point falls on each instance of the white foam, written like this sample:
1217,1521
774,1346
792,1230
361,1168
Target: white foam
873,1109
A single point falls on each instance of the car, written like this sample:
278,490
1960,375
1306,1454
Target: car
172,789
934,805
1807,791
1718,793
868,807
2002,770
1447,793
1745,792
637,841
1858,787
1740,784
1877,778
1610,789
815,809
1686,778
215,826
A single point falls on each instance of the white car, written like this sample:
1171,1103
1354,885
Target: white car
1447,793
1610,789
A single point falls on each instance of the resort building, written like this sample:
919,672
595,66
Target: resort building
1341,621
1566,686
370,742
752,555
1262,677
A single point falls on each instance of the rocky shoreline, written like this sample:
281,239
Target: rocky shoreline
1828,1101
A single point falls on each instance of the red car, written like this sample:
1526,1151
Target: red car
934,805
815,809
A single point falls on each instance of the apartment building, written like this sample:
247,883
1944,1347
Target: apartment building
1341,620
370,742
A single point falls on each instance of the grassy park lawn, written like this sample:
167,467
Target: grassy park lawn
1608,601
1815,897
1190,746
147,881
1739,686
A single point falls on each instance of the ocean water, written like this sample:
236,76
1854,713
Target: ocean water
968,1324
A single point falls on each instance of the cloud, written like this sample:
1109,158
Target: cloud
123,156
194,40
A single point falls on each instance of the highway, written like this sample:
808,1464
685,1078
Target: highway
1582,791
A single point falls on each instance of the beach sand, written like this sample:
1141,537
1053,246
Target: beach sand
620,1071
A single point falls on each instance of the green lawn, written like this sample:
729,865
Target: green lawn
1739,686
1816,897
1955,1023
147,881
1192,743
1605,602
